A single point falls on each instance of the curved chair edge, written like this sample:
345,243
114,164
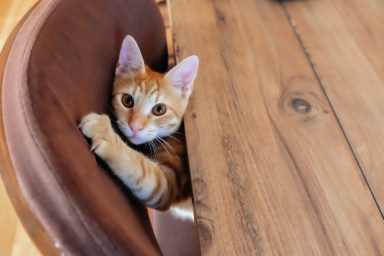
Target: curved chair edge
31,224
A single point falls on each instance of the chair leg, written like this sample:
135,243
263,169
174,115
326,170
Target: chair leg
175,236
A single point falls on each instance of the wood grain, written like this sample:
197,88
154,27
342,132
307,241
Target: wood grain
165,13
345,42
271,169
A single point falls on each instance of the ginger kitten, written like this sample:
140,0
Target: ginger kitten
148,108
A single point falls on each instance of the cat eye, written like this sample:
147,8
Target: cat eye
127,100
159,109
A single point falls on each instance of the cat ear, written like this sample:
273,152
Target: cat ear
183,75
131,61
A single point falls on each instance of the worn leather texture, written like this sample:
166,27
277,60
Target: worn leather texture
60,68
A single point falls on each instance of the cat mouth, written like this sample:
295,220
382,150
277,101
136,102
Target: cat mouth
135,139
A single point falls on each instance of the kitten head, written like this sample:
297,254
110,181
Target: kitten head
147,104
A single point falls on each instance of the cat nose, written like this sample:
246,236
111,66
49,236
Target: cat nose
136,127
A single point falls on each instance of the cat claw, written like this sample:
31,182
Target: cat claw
96,144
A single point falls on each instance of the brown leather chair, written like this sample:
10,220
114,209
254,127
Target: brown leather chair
57,66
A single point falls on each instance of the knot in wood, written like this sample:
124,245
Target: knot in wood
199,186
220,16
205,227
301,106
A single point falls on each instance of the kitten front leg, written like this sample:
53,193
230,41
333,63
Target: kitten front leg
151,182
98,128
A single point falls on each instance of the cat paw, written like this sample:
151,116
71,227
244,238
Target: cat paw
96,126
99,147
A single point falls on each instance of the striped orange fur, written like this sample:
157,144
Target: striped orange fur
148,108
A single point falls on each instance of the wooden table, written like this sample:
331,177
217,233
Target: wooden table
286,125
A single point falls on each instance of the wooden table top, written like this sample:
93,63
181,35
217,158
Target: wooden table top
285,129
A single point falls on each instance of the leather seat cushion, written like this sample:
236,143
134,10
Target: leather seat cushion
60,68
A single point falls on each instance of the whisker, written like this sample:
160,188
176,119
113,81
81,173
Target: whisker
170,147
146,145
176,139
155,150
161,143
151,151
165,142
179,133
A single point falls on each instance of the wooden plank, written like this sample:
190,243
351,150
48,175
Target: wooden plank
345,41
164,12
271,169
